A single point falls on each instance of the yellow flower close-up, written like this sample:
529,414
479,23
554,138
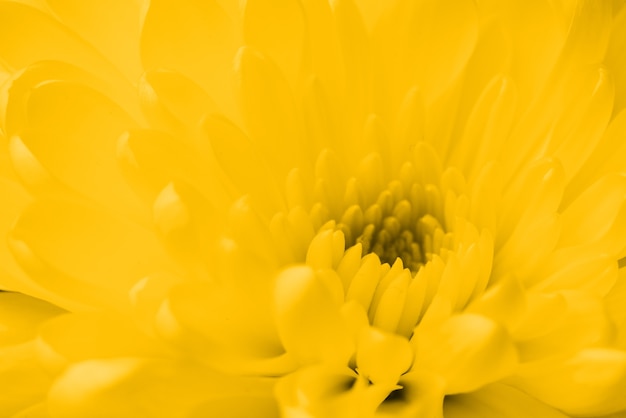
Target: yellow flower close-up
313,208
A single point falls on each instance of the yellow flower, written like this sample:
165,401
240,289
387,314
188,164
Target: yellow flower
304,208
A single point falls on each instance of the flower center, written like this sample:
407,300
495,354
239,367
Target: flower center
404,223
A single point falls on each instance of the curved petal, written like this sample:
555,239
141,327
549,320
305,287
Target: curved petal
592,382
22,381
15,93
497,401
242,406
84,254
15,200
468,351
425,44
72,131
278,28
382,357
30,35
77,337
172,101
593,213
113,28
155,388
222,326
308,318
243,162
150,159
268,110
615,307
195,38
21,315
615,59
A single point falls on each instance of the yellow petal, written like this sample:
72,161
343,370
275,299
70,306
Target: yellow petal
487,127
21,316
238,406
352,40
596,273
76,337
100,388
419,394
242,161
267,106
220,324
60,116
583,132
591,382
34,36
582,322
497,401
15,200
320,391
150,159
195,38
606,158
592,214
468,351
308,337
383,357
615,59
84,254
278,29
417,40
94,24
22,381
364,282
614,303
15,92
172,101
185,222
505,302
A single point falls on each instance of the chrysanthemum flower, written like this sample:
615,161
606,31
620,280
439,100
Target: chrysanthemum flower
310,208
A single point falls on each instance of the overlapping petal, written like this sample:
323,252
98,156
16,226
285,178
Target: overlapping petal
310,208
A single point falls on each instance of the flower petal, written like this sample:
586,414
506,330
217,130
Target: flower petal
30,35
562,329
592,382
229,325
615,59
151,159
174,102
77,337
309,338
22,381
195,38
319,391
591,215
268,109
383,357
243,162
468,351
424,44
15,200
158,388
21,315
15,93
61,115
497,401
277,28
487,127
84,254
241,406
112,28
614,302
